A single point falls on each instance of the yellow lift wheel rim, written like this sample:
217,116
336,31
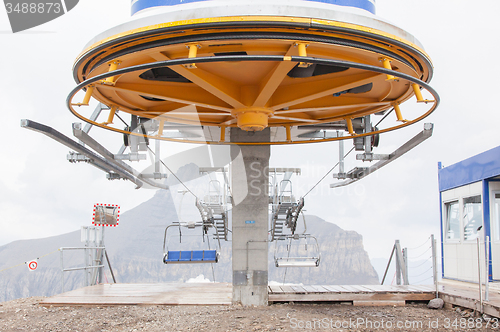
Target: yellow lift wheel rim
105,79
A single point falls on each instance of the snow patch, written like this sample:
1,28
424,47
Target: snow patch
199,279
277,283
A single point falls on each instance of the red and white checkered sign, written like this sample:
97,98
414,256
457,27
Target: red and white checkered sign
106,215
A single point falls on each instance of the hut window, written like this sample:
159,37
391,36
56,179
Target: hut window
496,227
452,221
473,217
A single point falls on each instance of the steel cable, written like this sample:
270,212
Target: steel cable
175,176
423,244
413,257
327,173
421,274
426,261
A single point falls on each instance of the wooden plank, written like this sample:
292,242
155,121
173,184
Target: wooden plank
425,288
396,288
349,288
320,289
492,310
311,289
275,289
404,288
282,289
467,295
342,297
299,289
360,289
287,289
401,288
372,288
133,294
418,289
378,303
334,288
365,288
463,302
384,288
221,294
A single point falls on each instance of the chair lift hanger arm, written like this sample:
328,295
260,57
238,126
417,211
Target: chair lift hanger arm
84,137
96,160
415,141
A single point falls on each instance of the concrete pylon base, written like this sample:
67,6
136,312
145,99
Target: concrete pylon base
250,192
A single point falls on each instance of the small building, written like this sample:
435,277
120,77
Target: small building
469,194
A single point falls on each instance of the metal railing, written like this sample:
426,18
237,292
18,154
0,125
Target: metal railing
402,267
100,252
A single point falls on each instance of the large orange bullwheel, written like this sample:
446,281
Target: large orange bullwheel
204,76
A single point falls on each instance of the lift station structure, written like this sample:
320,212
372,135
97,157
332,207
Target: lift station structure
248,74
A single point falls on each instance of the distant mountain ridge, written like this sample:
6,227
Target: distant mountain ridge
135,251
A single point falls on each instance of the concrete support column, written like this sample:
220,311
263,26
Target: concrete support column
250,190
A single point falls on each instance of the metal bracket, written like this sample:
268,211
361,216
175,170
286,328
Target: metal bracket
114,176
303,53
372,157
156,176
240,278
193,52
131,156
80,134
96,160
74,157
106,162
363,172
355,173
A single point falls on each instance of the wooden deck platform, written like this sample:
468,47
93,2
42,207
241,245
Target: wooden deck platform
221,294
452,292
146,294
358,295
466,295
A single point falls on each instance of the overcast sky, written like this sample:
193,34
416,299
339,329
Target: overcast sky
41,194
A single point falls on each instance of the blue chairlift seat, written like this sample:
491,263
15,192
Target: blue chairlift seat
194,256
197,256
172,256
210,255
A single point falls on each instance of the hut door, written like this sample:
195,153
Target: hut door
495,237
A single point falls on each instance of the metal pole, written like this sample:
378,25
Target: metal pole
388,264
368,139
62,270
86,258
434,264
479,272
341,153
109,265
487,270
399,266
405,271
101,257
93,255
157,157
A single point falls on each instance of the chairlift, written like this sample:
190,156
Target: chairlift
214,193
213,209
296,250
189,256
285,192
